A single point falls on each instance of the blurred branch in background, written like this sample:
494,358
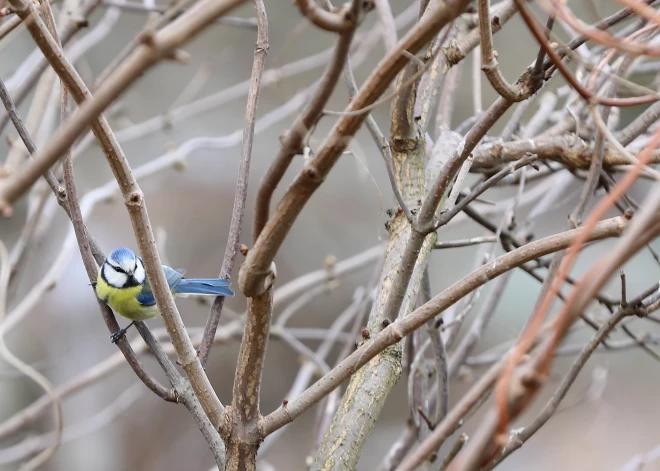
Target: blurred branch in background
575,134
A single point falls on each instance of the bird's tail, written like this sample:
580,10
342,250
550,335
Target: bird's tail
207,286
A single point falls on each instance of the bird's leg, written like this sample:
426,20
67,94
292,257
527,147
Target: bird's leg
114,338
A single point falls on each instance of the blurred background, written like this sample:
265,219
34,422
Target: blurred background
194,121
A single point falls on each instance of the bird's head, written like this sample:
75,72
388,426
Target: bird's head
123,269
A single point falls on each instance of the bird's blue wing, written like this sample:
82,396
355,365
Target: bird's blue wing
146,296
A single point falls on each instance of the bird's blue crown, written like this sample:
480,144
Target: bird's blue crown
120,254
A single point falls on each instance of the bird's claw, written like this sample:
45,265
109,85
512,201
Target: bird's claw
114,338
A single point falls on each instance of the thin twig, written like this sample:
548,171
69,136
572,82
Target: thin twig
451,244
238,211
250,23
402,327
260,256
160,46
489,62
292,141
28,371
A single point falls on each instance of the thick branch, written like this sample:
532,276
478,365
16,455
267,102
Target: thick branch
292,141
257,263
244,414
238,211
156,47
399,329
88,248
568,149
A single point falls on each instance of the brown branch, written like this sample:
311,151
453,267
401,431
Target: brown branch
634,308
257,263
458,49
238,211
604,24
243,417
154,24
489,62
67,31
88,247
588,95
518,386
365,396
157,47
458,413
292,141
399,329
340,21
568,149
160,45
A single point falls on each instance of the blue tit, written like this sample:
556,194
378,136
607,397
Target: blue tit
122,285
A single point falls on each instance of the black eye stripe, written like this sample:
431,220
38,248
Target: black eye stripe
119,269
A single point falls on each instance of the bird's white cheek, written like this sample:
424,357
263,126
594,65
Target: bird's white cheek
139,274
115,278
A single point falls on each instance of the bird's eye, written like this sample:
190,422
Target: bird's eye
119,269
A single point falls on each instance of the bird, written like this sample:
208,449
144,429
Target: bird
122,284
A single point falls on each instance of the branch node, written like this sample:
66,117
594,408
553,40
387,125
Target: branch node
147,38
135,198
629,213
61,193
313,174
180,56
81,23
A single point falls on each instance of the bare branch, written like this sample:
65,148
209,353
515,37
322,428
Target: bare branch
399,329
568,149
489,58
238,211
89,250
250,23
292,141
27,370
155,48
452,244
339,21
257,263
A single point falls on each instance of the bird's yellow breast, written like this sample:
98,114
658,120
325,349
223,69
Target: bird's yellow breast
123,301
